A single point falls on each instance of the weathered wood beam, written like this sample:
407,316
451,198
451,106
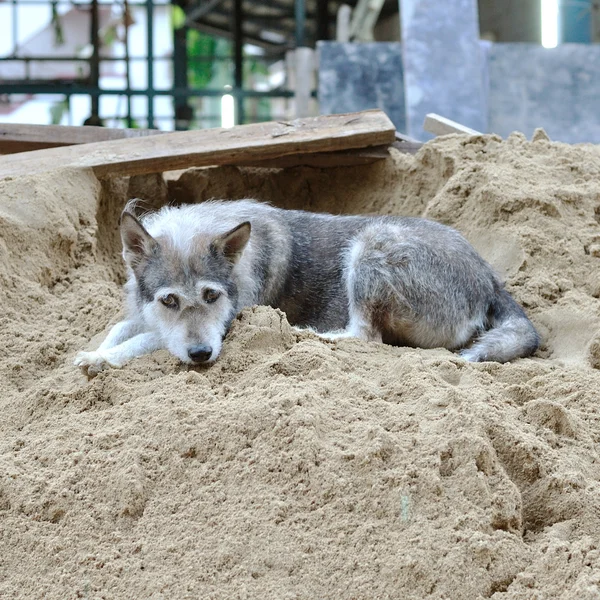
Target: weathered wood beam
18,137
184,149
439,125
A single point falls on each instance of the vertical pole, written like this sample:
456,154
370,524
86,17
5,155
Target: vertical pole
322,20
305,61
344,16
238,59
95,64
183,111
127,62
303,57
595,22
300,13
15,28
150,54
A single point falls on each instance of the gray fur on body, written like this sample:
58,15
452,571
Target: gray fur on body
403,281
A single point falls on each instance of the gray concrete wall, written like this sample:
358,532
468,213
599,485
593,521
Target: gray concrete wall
361,76
527,87
511,20
442,62
557,89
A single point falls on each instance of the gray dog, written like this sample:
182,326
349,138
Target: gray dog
401,281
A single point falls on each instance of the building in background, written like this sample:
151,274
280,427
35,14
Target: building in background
155,63
206,63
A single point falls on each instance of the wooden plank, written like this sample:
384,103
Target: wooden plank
406,144
18,137
342,158
185,149
407,147
439,125
402,137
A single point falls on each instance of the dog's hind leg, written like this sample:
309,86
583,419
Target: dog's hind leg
359,326
368,291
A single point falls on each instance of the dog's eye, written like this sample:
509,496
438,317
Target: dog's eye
211,296
170,301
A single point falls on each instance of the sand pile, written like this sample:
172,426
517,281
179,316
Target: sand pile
296,468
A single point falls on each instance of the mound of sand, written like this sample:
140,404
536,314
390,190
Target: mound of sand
294,467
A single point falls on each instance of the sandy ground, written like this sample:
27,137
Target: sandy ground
296,468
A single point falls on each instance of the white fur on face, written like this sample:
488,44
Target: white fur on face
194,323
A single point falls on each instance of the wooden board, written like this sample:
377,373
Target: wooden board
407,144
342,158
18,137
184,149
439,125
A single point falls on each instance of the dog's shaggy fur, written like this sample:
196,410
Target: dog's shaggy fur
402,281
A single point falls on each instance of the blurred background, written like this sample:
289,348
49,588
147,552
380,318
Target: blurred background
494,65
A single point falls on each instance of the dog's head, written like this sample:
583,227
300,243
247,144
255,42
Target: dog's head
184,284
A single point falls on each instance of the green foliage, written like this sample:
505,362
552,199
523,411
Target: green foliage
57,111
133,124
204,69
203,46
255,72
177,17
109,35
199,45
59,36
252,66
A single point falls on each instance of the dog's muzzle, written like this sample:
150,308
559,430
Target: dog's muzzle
200,354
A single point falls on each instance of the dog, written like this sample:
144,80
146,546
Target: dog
398,280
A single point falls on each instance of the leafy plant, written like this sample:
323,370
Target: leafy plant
59,36
200,45
58,110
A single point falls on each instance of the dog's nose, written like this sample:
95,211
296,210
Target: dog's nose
200,354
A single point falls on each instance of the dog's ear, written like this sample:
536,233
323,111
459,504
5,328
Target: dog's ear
137,242
232,243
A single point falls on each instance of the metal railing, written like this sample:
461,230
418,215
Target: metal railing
89,83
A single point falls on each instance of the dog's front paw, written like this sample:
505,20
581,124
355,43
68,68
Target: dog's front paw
91,363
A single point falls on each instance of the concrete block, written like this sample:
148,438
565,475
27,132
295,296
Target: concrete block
358,76
557,89
442,62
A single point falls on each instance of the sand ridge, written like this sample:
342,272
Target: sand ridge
295,467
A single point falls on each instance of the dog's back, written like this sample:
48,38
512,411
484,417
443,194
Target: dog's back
400,280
